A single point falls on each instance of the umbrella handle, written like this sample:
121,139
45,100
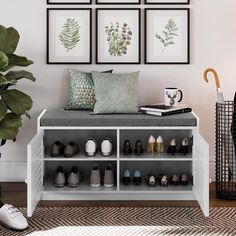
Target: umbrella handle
206,78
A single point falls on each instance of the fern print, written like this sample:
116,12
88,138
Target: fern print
119,38
70,35
168,34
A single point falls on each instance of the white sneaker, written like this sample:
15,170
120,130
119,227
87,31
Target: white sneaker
12,218
91,147
106,147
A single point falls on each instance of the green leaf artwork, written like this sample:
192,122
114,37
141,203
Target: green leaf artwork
70,34
168,34
119,38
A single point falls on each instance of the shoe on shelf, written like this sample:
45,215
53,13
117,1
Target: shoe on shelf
160,145
175,179
108,177
127,148
126,179
138,150
151,144
90,147
60,179
12,218
57,149
163,180
151,180
95,177
172,147
184,179
137,177
74,177
106,147
71,149
184,148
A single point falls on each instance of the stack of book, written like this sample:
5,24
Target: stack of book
163,110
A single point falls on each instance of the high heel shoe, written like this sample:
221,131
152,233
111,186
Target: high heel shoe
138,150
163,180
175,179
172,147
126,177
127,149
184,148
137,177
160,145
151,180
184,179
151,144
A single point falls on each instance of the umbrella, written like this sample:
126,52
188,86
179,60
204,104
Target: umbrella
220,97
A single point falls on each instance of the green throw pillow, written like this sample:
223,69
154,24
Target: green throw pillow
116,93
81,95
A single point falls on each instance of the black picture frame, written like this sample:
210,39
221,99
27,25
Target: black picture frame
187,62
48,37
167,3
139,35
69,3
118,3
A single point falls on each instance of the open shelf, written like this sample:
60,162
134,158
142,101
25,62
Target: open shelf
156,157
145,188
83,187
81,157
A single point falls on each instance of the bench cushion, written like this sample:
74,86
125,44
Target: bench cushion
61,117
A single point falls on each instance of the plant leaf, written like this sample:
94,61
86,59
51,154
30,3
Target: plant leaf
17,101
3,60
15,60
22,74
3,37
13,38
3,110
9,126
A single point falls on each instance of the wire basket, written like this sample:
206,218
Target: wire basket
225,150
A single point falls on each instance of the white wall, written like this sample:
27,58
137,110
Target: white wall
213,43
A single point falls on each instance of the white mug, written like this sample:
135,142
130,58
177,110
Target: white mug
171,96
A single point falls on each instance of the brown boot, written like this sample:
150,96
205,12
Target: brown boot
71,149
57,149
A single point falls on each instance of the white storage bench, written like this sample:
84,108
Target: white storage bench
77,126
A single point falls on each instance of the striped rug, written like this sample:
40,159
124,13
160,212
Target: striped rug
127,221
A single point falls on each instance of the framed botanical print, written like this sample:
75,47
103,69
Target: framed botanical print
118,36
111,2
166,2
69,33
65,2
167,36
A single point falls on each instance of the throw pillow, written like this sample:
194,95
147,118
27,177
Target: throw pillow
116,93
81,95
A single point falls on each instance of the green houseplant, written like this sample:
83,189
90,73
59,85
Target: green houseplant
13,103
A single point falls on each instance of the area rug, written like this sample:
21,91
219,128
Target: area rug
111,221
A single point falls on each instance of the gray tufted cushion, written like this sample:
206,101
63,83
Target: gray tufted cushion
116,93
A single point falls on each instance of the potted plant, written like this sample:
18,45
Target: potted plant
13,102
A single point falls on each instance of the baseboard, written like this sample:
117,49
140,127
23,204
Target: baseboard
13,171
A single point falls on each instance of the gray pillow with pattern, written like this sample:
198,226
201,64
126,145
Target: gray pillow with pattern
116,93
81,95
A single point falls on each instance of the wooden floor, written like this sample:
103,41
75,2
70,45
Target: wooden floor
15,193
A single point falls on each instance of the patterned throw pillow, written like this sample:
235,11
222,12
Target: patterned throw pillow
116,93
81,95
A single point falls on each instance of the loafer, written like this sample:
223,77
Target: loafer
57,149
126,179
175,179
74,178
71,149
106,147
12,218
184,179
163,180
59,178
108,177
95,177
137,177
138,150
90,147
127,148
